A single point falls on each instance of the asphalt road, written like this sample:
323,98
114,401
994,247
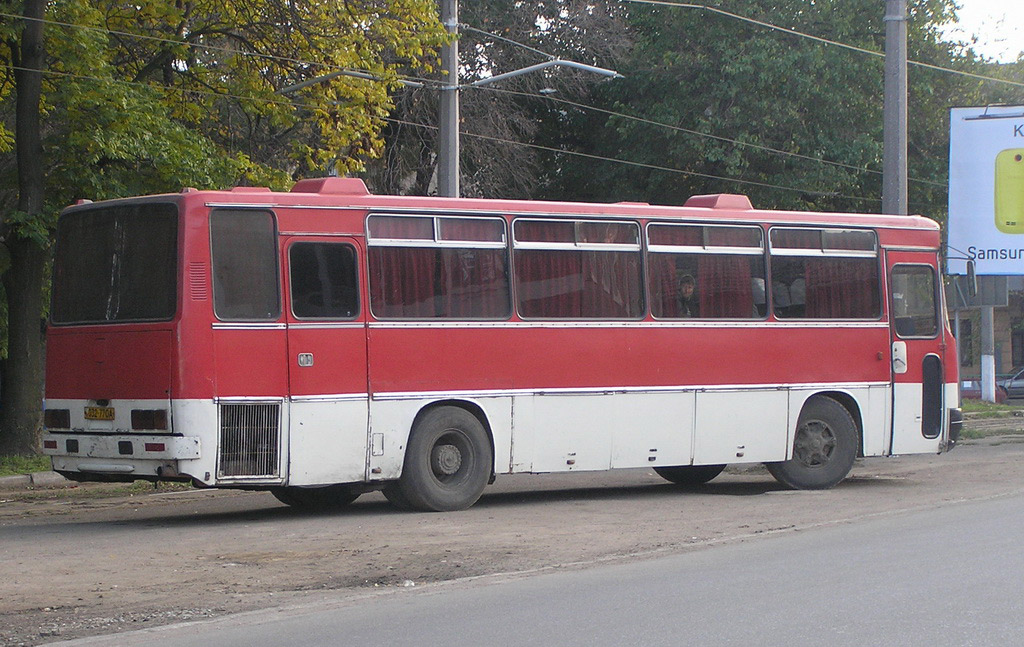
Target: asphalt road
945,576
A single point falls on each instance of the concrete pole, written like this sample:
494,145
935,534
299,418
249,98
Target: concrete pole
894,119
448,136
988,354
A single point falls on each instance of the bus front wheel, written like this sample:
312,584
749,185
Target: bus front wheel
447,463
327,497
824,447
689,474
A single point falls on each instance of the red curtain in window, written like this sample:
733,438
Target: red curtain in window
724,286
473,283
401,282
548,283
547,280
664,285
724,282
841,288
611,285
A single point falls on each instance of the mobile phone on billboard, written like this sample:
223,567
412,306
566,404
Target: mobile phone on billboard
1010,191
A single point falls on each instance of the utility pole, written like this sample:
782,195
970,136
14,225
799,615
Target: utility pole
448,135
894,119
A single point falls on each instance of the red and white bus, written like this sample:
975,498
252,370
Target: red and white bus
326,342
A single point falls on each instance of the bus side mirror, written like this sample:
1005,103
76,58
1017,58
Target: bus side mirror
972,278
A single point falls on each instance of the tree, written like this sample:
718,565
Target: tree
111,99
734,90
500,36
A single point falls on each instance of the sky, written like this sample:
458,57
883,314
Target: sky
998,25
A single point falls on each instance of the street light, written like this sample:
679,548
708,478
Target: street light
448,137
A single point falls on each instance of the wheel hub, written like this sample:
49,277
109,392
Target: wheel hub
445,459
814,444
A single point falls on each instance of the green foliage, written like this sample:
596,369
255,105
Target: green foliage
156,95
761,89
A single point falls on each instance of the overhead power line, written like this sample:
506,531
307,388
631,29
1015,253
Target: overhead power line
653,167
697,133
826,41
767,149
212,48
296,104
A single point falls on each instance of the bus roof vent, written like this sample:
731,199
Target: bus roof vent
250,189
720,201
331,185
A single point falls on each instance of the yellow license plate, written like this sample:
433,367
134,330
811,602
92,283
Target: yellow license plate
99,413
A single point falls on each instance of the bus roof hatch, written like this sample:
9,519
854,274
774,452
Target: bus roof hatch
331,185
720,201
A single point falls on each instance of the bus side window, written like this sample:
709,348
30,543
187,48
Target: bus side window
323,281
710,272
243,245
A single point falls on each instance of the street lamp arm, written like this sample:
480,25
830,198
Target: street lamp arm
555,62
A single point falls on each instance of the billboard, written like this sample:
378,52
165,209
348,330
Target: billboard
986,189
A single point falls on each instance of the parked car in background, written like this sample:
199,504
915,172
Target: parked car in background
1014,384
972,389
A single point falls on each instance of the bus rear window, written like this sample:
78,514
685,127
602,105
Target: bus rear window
116,264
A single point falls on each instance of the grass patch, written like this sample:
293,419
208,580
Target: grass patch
14,465
982,409
977,434
91,491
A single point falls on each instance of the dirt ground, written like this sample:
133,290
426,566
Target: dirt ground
90,561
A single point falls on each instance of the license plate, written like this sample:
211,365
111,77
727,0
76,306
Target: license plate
99,413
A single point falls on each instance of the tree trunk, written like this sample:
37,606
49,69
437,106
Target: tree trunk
22,379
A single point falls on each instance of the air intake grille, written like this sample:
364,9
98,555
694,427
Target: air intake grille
249,439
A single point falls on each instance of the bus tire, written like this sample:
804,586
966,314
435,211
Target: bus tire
824,447
689,474
448,461
328,497
393,493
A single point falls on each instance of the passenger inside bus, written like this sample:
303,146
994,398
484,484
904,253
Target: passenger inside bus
687,298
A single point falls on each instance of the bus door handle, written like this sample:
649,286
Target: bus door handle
899,357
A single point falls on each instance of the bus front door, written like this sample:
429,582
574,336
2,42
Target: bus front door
326,361
917,352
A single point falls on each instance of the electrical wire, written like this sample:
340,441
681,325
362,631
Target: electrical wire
472,135
296,104
212,48
653,167
826,41
768,149
537,51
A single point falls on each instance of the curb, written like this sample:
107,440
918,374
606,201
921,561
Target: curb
15,482
36,479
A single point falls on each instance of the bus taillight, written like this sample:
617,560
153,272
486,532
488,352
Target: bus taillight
57,418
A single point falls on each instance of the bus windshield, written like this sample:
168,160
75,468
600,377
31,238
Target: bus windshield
116,264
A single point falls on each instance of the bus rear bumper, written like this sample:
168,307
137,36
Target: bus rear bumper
956,425
120,457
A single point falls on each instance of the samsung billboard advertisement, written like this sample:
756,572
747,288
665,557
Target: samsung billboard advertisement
986,189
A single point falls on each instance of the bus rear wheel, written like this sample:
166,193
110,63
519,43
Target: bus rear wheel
328,497
448,462
689,474
824,447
